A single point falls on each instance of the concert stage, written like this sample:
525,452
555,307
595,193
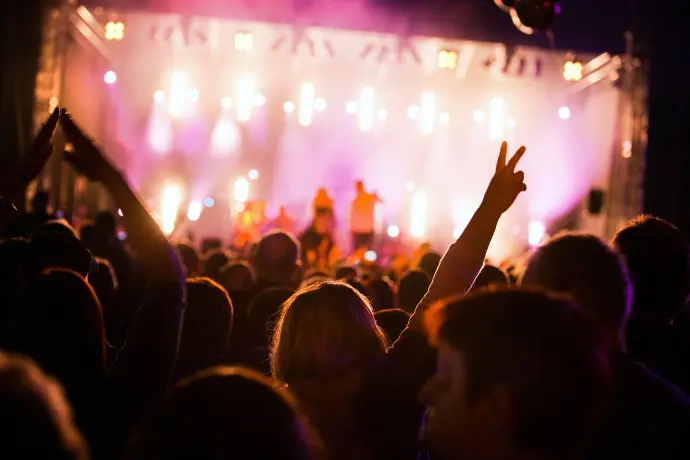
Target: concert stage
222,112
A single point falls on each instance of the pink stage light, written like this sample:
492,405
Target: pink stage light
110,77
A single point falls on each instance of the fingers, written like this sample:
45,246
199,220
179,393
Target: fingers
514,160
45,134
520,176
501,163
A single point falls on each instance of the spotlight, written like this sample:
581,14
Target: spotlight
194,211
209,202
226,102
319,104
114,31
564,113
241,190
572,71
478,116
351,107
393,231
253,174
110,77
244,41
159,96
447,59
536,233
289,107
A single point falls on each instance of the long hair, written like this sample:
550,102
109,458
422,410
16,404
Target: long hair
326,331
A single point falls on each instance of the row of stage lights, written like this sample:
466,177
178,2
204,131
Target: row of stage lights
447,59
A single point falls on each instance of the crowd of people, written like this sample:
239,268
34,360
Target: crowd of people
155,350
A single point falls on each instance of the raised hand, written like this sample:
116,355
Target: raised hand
506,184
86,158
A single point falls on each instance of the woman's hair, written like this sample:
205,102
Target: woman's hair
326,331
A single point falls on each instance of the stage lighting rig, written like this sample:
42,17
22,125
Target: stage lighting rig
530,15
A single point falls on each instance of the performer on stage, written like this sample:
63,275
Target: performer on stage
283,222
362,218
323,203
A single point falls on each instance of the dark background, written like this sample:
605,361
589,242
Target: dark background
660,30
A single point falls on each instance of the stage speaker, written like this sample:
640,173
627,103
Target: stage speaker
595,201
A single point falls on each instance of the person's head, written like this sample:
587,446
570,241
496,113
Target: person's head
429,263
382,295
104,281
393,321
326,331
60,325
411,288
40,202
37,418
214,261
56,244
276,258
88,234
490,275
237,276
106,224
206,328
586,268
189,258
264,312
657,258
282,211
359,186
520,374
345,273
224,412
16,268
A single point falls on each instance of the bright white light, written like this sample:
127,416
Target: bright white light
253,174
497,113
306,104
319,104
413,112
457,231
226,102
244,98
194,211
119,212
110,77
418,214
444,118
259,100
564,113
479,116
178,94
410,187
351,107
428,113
225,137
393,231
171,198
159,96
289,107
366,112
241,190
193,95
511,123
382,114
536,233
209,202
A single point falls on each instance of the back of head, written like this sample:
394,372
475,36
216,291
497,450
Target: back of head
543,351
189,258
60,325
345,272
657,258
37,420
393,321
104,281
327,331
412,286
382,295
206,329
276,257
106,223
16,268
429,263
237,276
55,244
224,413
214,261
40,202
586,268
264,313
490,275
88,234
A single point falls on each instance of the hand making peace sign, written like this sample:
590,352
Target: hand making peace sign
506,184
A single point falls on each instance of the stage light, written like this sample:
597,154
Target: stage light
114,31
319,104
511,123
413,112
572,71
289,107
444,118
110,77
179,94
366,110
351,107
171,198
259,100
382,114
428,113
159,96
226,102
410,186
497,114
209,202
418,214
193,95
447,59
244,41
119,213
536,233
239,207
253,174
194,211
564,113
393,231
244,99
306,104
479,116
241,190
